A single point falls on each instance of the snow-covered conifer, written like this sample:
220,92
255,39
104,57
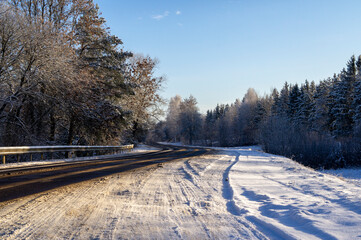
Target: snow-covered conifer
343,92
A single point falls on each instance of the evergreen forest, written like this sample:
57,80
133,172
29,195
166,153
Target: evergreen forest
318,125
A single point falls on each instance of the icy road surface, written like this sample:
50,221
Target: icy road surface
231,194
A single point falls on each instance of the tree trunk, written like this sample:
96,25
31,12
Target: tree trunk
52,127
71,131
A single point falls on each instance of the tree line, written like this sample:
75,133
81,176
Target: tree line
65,79
318,125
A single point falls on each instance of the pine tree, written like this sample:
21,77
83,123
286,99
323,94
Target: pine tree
294,104
306,101
263,110
281,103
275,101
343,92
98,51
319,115
209,128
357,95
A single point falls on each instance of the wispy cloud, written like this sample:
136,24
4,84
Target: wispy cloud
161,16
178,12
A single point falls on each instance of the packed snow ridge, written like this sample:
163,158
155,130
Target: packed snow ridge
239,193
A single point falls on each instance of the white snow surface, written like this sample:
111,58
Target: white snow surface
234,193
348,174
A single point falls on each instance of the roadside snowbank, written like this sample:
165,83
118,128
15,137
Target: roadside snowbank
287,200
352,175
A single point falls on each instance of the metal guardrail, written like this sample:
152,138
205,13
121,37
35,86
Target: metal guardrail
4,151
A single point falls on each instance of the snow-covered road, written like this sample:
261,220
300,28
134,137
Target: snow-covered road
231,194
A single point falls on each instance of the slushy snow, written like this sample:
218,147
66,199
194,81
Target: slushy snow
239,193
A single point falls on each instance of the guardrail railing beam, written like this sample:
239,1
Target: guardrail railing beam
69,150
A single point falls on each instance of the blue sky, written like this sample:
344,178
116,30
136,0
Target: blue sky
217,49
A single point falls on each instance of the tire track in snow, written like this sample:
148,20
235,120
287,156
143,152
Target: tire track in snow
228,194
191,168
227,191
262,229
36,227
199,206
187,175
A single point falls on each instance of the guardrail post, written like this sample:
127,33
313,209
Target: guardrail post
18,158
31,157
42,156
4,159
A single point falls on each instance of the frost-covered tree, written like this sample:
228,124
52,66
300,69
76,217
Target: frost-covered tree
356,104
234,123
209,128
306,101
145,101
37,81
319,113
172,120
281,101
63,76
263,110
343,94
190,120
294,104
247,114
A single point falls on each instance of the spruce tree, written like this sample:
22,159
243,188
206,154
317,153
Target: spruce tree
281,105
319,114
294,105
275,101
343,92
357,95
306,100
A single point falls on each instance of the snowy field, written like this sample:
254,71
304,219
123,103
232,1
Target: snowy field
348,174
238,193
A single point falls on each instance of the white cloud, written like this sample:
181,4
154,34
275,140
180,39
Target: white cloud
161,16
178,12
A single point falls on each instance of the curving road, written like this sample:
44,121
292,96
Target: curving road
238,193
22,181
